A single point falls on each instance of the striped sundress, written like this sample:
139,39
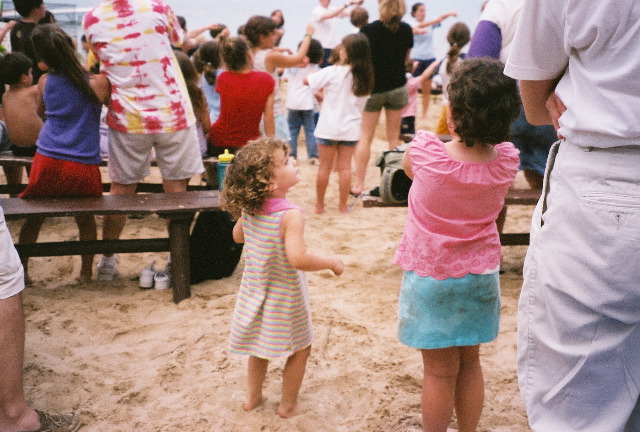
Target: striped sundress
271,317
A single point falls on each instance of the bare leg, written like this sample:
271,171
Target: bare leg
291,381
257,372
327,155
113,225
469,389
15,414
534,178
13,175
438,388
345,153
426,97
87,229
29,234
172,186
393,120
363,149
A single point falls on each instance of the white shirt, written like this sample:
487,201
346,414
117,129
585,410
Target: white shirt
324,28
505,14
341,111
592,44
299,95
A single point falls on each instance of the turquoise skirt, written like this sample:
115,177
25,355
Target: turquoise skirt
452,312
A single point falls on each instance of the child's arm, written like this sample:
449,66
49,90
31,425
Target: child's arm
428,72
6,29
269,119
101,87
238,233
276,59
204,117
435,21
406,162
40,108
297,254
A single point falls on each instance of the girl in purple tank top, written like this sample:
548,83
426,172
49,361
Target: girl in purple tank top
67,162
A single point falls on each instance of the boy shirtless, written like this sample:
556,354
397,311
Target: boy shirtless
20,103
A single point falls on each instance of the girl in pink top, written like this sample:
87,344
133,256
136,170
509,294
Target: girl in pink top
450,249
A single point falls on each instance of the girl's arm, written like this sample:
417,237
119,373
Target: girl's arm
438,20
6,29
40,98
101,87
275,59
238,233
203,116
297,254
269,119
406,163
341,11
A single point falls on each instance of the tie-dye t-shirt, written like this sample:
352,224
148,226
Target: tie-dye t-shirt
132,39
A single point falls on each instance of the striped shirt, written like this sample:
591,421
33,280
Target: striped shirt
271,318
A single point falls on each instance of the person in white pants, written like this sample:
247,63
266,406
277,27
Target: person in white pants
579,312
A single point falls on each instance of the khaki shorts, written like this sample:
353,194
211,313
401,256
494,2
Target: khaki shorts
177,154
11,272
392,100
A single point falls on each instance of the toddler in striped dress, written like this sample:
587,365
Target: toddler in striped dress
271,318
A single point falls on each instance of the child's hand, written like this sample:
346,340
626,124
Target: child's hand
338,266
310,29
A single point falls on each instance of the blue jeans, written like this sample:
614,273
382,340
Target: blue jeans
302,118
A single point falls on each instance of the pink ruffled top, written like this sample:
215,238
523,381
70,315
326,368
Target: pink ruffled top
453,205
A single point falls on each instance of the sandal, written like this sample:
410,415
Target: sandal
57,422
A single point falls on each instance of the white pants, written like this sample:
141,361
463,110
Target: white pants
11,271
578,332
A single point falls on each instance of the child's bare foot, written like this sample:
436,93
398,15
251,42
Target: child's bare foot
253,403
84,277
288,411
319,209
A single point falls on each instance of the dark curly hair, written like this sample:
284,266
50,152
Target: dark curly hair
248,179
483,101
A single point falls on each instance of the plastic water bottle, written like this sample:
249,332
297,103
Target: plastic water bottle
223,162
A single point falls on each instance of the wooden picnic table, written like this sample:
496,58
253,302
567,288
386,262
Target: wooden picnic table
178,208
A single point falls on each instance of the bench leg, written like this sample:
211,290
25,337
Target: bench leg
180,262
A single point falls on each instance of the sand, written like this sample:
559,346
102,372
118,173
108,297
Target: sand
131,360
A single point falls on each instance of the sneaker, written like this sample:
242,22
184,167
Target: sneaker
58,422
162,280
106,268
147,275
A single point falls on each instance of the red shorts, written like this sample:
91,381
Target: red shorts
56,177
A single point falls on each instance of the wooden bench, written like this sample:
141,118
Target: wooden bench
178,208
9,160
514,197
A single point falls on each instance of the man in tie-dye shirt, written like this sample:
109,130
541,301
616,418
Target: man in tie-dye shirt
149,105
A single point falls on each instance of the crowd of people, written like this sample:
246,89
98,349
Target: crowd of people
150,87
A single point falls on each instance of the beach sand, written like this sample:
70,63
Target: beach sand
131,360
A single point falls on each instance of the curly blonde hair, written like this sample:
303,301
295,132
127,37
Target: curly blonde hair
249,176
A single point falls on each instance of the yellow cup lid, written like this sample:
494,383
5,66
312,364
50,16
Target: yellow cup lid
225,157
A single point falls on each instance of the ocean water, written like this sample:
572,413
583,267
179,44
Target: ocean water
297,13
